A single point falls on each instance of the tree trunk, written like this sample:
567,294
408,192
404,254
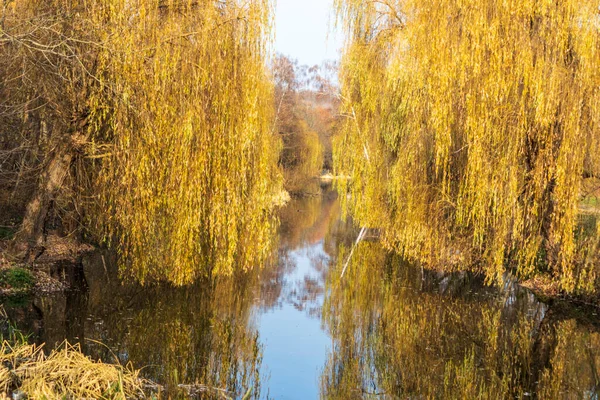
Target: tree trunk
32,236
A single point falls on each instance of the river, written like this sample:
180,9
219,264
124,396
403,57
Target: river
295,329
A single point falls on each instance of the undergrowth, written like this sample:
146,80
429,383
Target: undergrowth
16,278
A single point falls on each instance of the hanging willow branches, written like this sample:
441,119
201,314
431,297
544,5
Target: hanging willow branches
193,169
171,102
470,128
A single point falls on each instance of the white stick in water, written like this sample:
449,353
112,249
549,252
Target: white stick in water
360,237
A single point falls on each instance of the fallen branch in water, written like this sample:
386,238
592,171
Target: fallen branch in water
360,237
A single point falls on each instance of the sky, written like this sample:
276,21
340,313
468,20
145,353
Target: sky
302,28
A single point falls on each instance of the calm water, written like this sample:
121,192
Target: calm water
295,330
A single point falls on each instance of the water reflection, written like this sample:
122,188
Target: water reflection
400,332
290,324
205,334
294,329
222,336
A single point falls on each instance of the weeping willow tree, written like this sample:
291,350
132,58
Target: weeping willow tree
170,101
192,169
470,128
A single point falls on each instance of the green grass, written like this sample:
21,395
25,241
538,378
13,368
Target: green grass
586,225
13,335
6,233
16,300
17,278
591,201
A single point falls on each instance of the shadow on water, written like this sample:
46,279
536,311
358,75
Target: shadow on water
294,330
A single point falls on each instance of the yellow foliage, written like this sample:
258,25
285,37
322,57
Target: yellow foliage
307,153
193,173
173,104
470,125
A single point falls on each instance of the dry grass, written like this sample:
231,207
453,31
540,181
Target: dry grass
65,374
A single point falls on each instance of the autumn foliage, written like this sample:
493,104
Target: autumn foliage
470,128
151,122
306,118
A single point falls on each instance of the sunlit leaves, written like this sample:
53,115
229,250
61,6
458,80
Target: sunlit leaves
178,169
194,172
470,126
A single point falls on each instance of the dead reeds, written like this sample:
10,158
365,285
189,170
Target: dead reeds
64,374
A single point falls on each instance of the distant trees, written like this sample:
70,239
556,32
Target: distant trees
470,128
306,111
320,94
148,123
302,154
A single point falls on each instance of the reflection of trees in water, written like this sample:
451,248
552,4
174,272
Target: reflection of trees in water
396,330
203,334
306,222
306,292
402,332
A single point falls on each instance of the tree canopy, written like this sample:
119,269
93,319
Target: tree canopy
161,115
470,127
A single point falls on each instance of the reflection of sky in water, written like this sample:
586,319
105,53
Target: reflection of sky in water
294,353
295,345
201,334
304,263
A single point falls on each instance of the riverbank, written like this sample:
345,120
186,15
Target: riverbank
548,291
43,274
329,177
